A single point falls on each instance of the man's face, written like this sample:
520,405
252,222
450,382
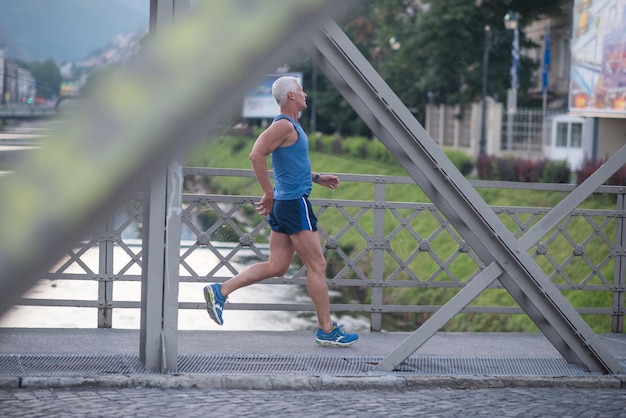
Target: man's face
300,97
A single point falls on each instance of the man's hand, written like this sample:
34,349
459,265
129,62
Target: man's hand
264,206
328,180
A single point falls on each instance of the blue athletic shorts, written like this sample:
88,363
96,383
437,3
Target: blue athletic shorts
291,216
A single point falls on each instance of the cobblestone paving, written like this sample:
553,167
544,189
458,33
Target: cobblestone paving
154,402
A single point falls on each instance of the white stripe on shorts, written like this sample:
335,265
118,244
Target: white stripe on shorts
306,211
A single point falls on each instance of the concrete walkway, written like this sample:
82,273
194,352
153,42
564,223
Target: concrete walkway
122,341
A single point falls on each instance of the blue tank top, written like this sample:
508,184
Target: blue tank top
292,167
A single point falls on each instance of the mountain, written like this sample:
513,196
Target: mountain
66,30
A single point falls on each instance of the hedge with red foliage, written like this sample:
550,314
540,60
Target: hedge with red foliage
490,167
589,167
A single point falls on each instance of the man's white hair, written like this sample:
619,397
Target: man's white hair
282,86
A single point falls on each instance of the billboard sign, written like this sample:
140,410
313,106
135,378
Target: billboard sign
598,71
259,102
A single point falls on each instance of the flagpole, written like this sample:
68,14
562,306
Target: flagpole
546,68
545,101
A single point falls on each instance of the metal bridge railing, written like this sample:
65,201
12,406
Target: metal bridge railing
25,112
377,243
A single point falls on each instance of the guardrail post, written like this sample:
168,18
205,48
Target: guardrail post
617,322
158,343
105,274
378,255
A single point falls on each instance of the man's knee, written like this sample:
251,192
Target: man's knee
322,264
280,271
278,268
317,266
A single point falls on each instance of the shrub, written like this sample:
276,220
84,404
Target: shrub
530,171
356,147
524,169
589,167
461,161
379,152
510,169
323,143
237,144
336,147
486,167
556,172
506,170
619,178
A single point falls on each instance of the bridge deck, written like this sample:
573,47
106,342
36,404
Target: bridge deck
106,353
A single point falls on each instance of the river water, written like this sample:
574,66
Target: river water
202,260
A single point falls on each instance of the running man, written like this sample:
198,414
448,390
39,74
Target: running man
291,217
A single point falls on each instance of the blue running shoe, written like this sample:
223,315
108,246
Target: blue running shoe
214,302
335,338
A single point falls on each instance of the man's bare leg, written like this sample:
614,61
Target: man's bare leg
281,254
307,245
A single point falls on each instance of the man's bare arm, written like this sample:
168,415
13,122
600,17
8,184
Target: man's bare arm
276,135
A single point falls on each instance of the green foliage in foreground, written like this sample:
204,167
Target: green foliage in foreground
232,152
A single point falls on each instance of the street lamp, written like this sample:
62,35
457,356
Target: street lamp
511,23
510,20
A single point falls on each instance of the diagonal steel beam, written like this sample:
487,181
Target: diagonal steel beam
426,163
479,283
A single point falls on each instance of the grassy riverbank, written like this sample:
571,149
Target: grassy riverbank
229,151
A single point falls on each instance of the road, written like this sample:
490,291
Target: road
155,402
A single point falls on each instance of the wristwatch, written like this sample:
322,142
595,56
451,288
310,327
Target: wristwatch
316,178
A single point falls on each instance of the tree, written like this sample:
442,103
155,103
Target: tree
48,78
432,50
429,51
332,112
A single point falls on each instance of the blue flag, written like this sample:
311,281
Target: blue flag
546,60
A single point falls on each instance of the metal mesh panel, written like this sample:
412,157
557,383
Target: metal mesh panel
491,366
269,364
68,365
101,365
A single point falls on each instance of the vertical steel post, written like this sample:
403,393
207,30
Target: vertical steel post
159,279
105,273
378,255
152,272
161,242
173,225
